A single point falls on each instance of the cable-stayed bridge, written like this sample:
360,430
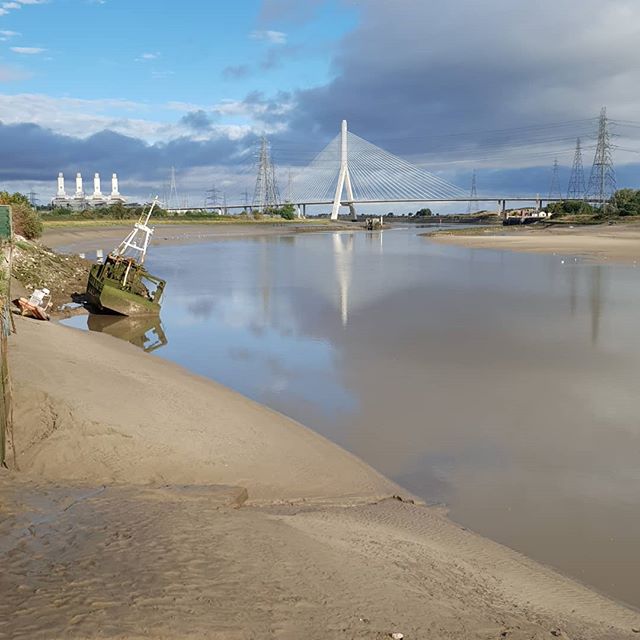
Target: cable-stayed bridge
350,171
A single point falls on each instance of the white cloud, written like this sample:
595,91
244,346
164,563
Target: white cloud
148,56
274,37
12,6
9,34
82,118
29,51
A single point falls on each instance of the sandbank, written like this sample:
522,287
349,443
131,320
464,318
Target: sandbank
602,243
129,518
89,237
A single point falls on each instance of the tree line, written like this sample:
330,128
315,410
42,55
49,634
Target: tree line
623,203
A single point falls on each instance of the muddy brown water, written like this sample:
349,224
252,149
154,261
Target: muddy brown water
503,385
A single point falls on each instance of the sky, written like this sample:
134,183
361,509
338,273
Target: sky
502,87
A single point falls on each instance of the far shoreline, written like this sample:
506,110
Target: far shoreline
96,234
598,243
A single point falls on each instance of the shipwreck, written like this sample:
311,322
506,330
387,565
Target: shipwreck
121,284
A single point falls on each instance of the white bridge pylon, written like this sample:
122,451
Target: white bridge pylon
344,179
351,170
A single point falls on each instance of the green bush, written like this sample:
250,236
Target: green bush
570,208
287,211
26,221
626,202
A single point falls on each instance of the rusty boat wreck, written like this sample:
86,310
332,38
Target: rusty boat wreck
121,284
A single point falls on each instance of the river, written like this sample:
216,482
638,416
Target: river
502,385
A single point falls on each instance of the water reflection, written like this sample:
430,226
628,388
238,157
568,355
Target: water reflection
144,332
573,297
343,258
502,384
596,301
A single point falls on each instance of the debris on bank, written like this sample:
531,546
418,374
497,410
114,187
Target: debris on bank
37,306
38,268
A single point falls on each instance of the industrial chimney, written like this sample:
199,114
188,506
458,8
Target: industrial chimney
61,193
79,191
114,186
96,186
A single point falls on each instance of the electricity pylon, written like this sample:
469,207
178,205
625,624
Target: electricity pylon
172,201
602,182
266,193
211,196
473,204
554,188
577,188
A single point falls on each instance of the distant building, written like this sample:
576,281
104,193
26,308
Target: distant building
527,212
79,200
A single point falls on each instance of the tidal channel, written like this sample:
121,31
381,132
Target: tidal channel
502,385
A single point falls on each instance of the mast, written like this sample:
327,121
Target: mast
142,233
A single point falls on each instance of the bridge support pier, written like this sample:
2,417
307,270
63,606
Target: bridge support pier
344,179
304,210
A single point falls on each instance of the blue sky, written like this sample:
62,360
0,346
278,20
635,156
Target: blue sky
138,86
159,53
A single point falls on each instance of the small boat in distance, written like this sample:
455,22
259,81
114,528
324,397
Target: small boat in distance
121,284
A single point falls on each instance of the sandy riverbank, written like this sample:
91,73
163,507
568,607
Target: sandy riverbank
113,527
94,236
619,243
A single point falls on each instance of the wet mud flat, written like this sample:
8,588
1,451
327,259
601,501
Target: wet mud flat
178,561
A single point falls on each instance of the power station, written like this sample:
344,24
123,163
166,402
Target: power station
79,200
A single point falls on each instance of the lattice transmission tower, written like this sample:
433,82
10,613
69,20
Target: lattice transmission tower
602,182
172,200
554,188
211,197
266,193
473,204
577,187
